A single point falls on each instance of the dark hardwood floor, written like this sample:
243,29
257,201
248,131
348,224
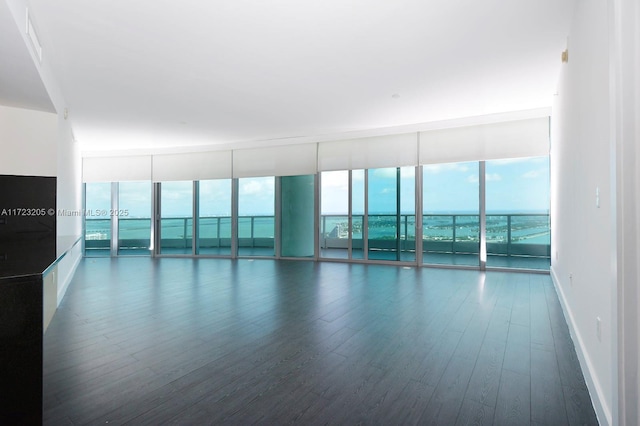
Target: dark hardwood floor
215,341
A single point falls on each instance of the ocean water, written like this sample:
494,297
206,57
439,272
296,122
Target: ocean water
530,229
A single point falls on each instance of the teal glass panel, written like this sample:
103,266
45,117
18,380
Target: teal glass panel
334,215
176,217
451,220
97,226
214,204
298,216
134,224
517,200
256,216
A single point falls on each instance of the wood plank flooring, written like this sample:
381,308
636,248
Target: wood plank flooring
215,341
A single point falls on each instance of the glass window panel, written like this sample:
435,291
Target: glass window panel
357,214
256,211
298,216
215,217
176,217
334,214
517,200
134,225
97,234
408,213
382,227
451,227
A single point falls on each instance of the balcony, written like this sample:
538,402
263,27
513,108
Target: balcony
513,240
521,240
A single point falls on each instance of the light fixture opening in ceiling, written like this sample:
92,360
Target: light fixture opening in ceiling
33,38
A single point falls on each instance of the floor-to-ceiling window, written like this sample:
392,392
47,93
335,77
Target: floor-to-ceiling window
256,216
334,214
214,218
517,205
134,222
382,226
408,214
357,214
450,209
365,214
97,213
391,213
176,217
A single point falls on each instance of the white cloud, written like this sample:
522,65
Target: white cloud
439,168
489,177
257,187
391,172
215,190
534,174
385,173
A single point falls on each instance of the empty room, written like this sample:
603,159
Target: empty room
293,212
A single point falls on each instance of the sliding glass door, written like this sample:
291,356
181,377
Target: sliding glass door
256,216
334,215
214,217
391,214
450,214
176,217
383,214
134,218
97,226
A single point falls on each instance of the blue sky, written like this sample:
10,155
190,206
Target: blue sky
517,185
520,185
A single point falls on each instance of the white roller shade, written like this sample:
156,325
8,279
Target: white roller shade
116,169
369,153
289,160
192,166
511,139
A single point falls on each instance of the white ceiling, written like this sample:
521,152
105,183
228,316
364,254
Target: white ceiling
20,83
159,73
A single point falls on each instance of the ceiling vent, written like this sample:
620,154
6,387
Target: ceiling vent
33,37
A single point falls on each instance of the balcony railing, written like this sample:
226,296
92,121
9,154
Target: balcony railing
507,234
513,234
215,232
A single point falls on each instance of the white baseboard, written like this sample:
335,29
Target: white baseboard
603,411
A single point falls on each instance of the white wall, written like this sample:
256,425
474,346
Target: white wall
583,234
69,197
624,19
28,142
61,153
36,143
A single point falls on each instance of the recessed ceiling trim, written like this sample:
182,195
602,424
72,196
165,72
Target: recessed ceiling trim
33,38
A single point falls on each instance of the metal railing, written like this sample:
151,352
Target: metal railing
507,234
519,234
